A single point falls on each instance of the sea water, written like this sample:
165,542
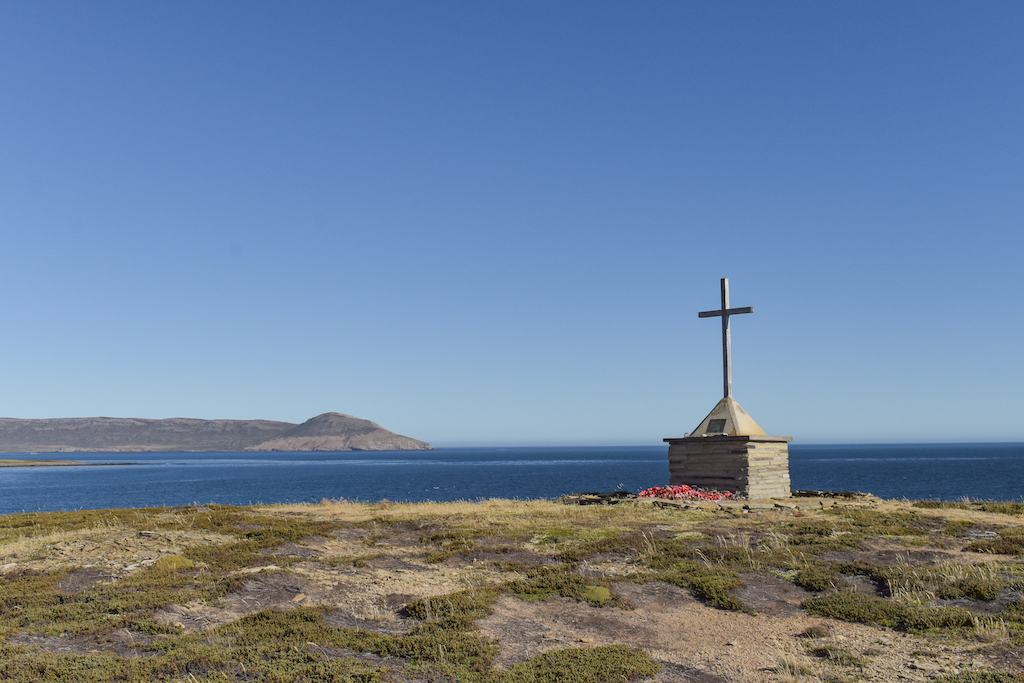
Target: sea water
933,471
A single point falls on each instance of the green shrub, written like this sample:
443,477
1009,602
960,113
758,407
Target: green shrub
710,584
1014,611
1000,507
941,505
451,543
63,668
837,655
1003,508
973,587
430,642
818,577
869,609
819,535
598,596
981,677
31,601
856,607
924,618
540,583
947,581
447,638
602,664
659,551
956,527
817,631
868,523
174,562
455,610
1004,545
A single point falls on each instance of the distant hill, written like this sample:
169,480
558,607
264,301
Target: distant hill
327,432
338,432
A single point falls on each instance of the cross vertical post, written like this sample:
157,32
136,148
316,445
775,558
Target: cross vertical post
725,312
726,341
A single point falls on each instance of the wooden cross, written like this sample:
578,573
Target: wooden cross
726,339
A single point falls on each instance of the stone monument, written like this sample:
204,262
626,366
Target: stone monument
728,451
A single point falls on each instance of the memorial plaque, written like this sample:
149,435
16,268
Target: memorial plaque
715,427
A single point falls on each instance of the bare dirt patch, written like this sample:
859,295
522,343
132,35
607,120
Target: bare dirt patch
291,550
266,590
770,595
394,564
122,642
117,551
527,558
79,580
697,641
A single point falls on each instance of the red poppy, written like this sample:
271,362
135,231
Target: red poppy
683,492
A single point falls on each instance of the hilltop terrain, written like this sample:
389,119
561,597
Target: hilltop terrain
337,432
809,589
327,432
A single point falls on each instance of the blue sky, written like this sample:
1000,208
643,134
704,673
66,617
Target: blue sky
495,223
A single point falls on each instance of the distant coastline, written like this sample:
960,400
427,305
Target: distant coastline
326,432
5,462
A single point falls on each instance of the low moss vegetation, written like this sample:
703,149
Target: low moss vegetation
35,603
298,645
548,552
1000,507
540,583
839,655
982,677
1008,543
819,576
603,664
870,609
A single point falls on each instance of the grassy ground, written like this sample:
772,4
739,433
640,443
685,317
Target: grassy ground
507,591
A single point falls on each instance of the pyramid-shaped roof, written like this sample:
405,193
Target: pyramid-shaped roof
728,418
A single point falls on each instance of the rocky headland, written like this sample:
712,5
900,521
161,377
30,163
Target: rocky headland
326,432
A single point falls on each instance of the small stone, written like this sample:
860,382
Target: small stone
586,640
731,643
299,598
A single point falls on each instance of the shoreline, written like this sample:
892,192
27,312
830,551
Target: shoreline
5,462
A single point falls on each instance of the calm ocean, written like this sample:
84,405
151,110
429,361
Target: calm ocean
934,471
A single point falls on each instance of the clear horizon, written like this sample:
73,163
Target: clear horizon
487,223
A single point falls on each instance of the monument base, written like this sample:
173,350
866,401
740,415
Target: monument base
755,466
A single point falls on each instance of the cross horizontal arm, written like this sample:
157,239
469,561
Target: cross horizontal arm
728,311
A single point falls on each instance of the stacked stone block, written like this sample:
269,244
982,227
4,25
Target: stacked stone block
755,466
